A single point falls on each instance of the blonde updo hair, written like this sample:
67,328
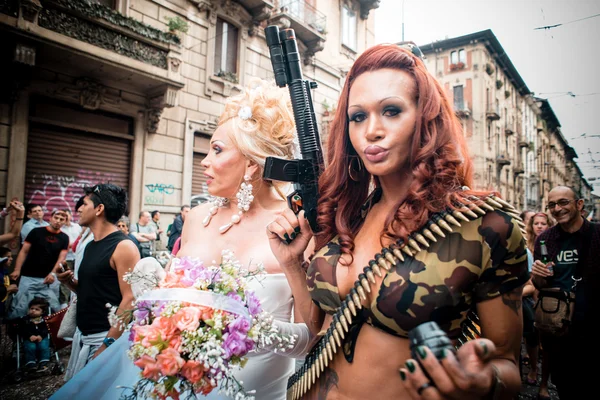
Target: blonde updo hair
265,125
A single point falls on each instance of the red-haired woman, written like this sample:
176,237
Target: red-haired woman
395,130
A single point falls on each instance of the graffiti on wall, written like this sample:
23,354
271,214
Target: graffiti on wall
62,192
156,193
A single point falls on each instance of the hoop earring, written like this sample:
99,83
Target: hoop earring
356,170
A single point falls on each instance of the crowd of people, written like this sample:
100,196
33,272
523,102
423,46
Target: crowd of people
402,240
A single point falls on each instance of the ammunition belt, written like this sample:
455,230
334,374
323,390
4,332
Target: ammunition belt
322,353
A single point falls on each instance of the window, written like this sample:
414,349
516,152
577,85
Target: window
462,56
348,28
458,98
226,49
454,57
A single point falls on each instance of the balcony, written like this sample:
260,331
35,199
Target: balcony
508,130
259,9
502,160
523,143
309,24
99,45
518,169
462,111
492,114
366,6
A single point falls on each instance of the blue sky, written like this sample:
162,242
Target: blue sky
552,62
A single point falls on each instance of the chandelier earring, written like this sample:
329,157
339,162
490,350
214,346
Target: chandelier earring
244,199
355,171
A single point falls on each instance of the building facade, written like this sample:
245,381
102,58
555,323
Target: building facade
515,139
130,91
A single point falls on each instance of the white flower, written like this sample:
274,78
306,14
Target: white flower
245,113
146,275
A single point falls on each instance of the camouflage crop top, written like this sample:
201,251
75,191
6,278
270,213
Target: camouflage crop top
481,260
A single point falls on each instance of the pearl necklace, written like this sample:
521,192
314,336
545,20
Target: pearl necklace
244,198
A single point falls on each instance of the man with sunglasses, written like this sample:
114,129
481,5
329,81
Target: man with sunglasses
100,276
574,249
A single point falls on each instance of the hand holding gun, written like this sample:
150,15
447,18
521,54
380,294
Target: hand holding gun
305,172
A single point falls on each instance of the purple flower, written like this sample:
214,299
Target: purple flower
234,296
240,324
186,263
131,334
253,303
141,314
236,344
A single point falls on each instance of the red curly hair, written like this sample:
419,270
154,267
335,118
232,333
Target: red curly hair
439,158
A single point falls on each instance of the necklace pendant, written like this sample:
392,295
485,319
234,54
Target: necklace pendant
206,220
225,228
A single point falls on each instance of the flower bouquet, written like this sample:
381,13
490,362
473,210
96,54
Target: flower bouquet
193,326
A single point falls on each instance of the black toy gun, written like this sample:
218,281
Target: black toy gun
305,172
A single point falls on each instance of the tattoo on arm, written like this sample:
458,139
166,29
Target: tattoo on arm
513,301
327,381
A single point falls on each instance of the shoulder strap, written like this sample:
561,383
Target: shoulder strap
320,355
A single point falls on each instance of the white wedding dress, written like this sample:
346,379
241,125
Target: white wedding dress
266,372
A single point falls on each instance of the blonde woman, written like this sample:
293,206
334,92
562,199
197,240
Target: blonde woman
254,125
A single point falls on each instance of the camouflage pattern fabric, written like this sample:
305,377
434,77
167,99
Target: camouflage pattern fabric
483,259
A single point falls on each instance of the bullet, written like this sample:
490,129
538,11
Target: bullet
351,305
370,275
347,313
398,254
428,234
459,215
450,219
413,244
493,203
361,292
421,239
364,282
355,298
389,257
344,323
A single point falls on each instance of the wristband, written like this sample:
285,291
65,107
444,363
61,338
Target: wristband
19,219
108,341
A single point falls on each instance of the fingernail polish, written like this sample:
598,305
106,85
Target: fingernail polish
297,229
411,366
422,353
286,237
485,348
293,235
443,354
402,375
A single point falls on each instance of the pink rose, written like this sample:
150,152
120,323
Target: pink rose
193,371
187,319
150,367
148,335
175,342
171,280
169,362
166,327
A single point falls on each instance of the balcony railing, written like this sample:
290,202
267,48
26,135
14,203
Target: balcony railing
309,24
305,13
518,169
